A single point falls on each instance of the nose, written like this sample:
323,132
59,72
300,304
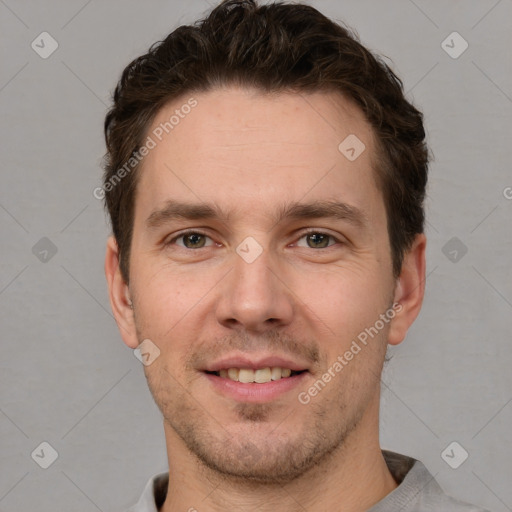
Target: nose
254,297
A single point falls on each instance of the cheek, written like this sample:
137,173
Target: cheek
343,308
166,298
336,300
344,296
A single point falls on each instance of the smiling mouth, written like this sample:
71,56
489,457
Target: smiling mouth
259,376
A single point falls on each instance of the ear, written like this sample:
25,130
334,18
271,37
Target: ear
409,290
119,295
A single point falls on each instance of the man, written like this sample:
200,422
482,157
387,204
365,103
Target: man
265,179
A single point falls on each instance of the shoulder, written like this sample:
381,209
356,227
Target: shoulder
153,495
418,490
446,503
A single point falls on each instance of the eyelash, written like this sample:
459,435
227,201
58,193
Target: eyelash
198,232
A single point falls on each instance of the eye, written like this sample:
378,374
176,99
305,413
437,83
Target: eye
194,239
318,239
191,240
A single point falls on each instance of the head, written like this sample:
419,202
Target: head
290,154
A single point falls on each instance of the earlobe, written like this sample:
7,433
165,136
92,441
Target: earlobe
409,290
119,295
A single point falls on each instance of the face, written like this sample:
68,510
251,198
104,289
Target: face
277,257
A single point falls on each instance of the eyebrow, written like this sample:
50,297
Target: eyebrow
322,209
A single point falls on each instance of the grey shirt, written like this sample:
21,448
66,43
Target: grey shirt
417,491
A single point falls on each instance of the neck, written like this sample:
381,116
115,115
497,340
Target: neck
355,475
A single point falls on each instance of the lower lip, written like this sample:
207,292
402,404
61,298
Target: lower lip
254,392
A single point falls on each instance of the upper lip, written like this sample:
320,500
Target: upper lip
254,363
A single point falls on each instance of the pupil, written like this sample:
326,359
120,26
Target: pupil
315,240
193,238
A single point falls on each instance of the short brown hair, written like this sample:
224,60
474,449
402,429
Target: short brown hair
276,47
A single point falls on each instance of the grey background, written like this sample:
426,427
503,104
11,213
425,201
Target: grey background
66,377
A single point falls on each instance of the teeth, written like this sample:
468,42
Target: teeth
277,373
233,373
261,376
246,376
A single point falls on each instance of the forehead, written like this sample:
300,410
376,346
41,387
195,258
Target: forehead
244,149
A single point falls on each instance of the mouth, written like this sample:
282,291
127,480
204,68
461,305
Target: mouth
256,376
255,380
